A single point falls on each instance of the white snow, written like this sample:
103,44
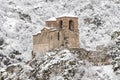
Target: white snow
118,37
2,69
55,77
52,19
51,28
37,32
48,27
67,15
106,70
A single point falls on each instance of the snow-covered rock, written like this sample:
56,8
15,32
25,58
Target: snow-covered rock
58,65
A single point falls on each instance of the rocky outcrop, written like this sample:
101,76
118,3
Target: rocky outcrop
64,64
95,57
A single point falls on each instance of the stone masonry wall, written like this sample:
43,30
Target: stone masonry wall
53,39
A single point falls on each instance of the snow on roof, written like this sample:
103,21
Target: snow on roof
67,15
54,29
52,19
64,15
37,33
49,27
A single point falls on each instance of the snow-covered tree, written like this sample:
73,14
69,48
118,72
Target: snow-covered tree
115,52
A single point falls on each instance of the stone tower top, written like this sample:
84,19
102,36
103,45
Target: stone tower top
51,22
65,21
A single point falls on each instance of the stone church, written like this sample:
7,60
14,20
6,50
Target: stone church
58,32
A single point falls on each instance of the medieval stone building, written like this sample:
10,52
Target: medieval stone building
58,32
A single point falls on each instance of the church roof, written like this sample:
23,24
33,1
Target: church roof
64,15
67,15
49,28
37,33
51,19
45,28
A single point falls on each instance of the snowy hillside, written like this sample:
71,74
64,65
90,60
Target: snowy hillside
20,19
58,65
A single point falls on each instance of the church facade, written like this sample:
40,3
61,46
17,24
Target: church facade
58,32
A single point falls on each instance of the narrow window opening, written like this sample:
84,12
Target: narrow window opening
61,25
71,25
58,36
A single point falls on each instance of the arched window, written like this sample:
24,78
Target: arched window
60,24
71,25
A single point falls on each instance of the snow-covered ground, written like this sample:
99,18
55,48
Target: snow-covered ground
106,71
58,65
21,19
